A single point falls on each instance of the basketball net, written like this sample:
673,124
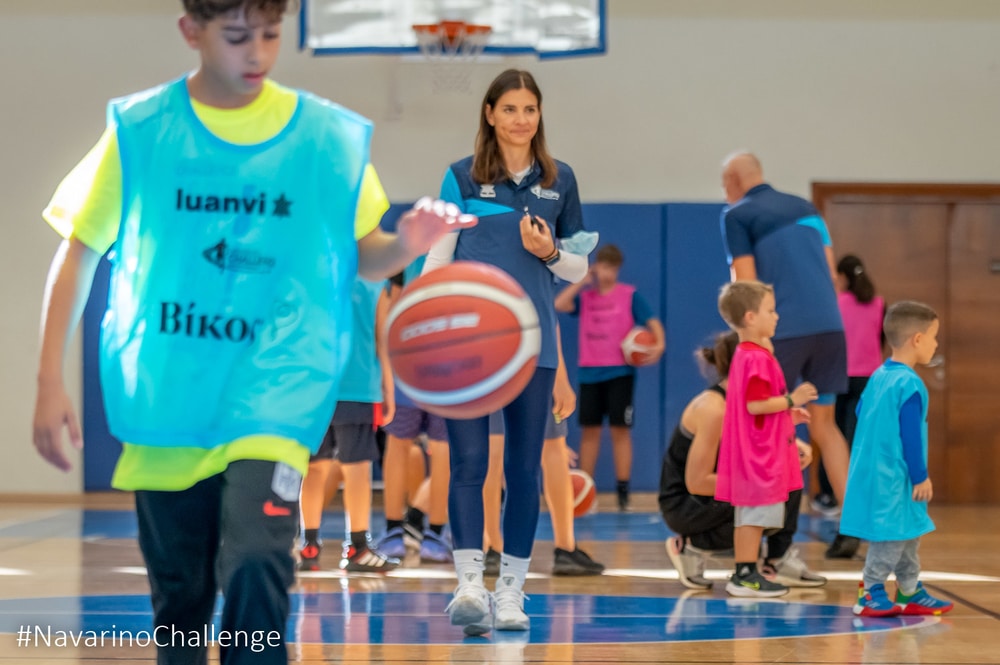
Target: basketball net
452,48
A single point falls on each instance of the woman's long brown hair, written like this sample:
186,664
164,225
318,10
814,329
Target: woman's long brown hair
487,162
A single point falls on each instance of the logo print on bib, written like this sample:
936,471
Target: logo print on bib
224,256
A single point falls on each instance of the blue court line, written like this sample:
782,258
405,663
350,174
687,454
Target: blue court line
600,527
348,617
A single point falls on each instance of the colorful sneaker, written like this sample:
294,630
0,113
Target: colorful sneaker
392,543
575,563
689,563
791,571
921,602
491,563
754,585
435,548
843,547
309,556
472,608
874,602
510,606
366,560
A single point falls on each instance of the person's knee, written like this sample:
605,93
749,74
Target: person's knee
469,472
820,414
398,445
822,424
554,454
621,434
521,477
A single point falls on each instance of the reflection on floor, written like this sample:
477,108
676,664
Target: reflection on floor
77,569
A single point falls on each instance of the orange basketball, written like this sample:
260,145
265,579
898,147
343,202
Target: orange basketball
584,492
463,340
637,345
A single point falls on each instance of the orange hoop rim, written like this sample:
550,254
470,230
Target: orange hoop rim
452,32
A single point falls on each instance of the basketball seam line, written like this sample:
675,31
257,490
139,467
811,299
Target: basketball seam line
446,343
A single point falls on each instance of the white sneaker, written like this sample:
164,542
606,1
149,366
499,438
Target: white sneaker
791,571
689,562
471,608
510,606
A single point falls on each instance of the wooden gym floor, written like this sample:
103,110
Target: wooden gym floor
75,567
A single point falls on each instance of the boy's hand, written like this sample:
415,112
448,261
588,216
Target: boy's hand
536,238
563,400
388,404
653,354
53,411
803,394
923,491
429,219
805,452
800,416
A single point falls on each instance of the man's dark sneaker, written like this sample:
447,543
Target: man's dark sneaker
576,562
843,547
824,504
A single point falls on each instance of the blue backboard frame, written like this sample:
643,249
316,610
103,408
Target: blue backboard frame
600,47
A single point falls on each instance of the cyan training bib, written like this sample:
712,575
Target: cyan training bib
229,312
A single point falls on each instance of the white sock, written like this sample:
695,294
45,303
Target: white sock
513,571
469,566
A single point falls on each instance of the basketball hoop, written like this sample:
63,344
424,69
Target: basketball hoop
451,47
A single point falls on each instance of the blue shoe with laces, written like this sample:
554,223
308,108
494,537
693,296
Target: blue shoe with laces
392,544
874,602
435,548
921,602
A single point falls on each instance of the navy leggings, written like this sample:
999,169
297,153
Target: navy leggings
469,441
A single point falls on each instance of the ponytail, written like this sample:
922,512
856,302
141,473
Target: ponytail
858,282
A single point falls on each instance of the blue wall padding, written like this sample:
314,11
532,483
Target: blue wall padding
673,255
100,449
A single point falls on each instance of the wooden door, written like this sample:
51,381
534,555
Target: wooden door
973,360
938,244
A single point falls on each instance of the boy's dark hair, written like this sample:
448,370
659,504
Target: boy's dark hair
738,298
720,355
905,319
858,281
611,255
206,10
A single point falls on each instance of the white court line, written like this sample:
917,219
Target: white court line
833,575
645,573
13,572
44,515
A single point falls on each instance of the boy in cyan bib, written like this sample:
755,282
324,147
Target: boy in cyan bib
238,213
